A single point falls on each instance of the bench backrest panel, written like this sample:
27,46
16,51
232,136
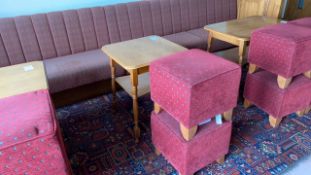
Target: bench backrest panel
44,36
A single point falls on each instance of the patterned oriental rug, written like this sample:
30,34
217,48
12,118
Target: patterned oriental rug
100,141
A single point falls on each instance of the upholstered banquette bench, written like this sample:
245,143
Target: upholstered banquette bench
68,41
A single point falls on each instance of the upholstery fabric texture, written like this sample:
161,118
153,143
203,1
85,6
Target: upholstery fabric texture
192,85
216,45
262,90
305,22
71,71
30,140
58,34
282,49
210,143
187,39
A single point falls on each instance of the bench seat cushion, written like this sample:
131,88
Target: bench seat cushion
71,71
217,45
187,40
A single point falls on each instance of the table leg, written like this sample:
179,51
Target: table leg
113,79
242,49
134,79
209,41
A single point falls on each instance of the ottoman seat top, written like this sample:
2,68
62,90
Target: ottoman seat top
26,117
194,66
283,49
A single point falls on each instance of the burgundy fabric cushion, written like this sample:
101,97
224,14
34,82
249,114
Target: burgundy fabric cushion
210,143
29,117
282,49
217,45
262,90
30,141
306,22
192,85
78,69
187,40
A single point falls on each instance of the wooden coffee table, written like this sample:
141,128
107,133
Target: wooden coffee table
22,78
237,32
135,56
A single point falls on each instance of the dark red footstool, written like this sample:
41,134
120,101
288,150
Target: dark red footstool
283,49
210,144
193,86
30,139
305,22
262,90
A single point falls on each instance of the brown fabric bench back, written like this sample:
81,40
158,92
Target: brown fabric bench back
50,35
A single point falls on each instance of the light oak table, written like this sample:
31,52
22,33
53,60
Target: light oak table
135,56
22,78
237,32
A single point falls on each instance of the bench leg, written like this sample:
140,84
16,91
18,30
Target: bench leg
221,160
308,74
252,68
188,133
157,108
228,115
283,82
157,152
247,103
274,122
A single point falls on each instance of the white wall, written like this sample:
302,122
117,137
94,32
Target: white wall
10,8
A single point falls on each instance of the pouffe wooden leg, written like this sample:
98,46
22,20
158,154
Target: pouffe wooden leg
300,113
308,110
274,122
157,108
247,103
157,152
221,160
228,115
252,68
283,82
188,133
308,74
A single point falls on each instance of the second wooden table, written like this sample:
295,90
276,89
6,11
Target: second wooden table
237,32
135,56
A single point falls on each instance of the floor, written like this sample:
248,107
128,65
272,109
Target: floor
301,168
99,140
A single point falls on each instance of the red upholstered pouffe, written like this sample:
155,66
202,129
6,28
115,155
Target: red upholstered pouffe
262,90
283,49
194,85
210,143
306,22
30,141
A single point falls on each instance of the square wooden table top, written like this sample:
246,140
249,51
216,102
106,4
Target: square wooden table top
138,53
241,28
22,78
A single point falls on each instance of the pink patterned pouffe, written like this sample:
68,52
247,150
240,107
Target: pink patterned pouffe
30,140
210,143
305,22
194,85
262,90
283,49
